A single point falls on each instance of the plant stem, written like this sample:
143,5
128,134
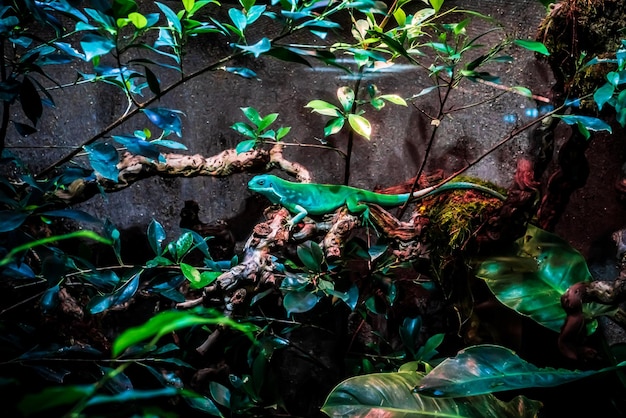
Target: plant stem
357,86
5,104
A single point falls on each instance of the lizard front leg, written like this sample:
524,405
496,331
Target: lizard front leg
300,213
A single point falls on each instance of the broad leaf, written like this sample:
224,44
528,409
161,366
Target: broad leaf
170,321
166,119
311,256
390,395
138,146
95,45
534,46
531,279
360,125
257,49
346,98
103,158
323,108
156,236
603,94
588,122
298,302
486,369
122,295
10,220
334,125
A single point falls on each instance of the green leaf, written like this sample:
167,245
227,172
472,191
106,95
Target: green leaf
282,131
334,125
323,108
536,272
346,98
169,321
311,256
188,4
436,4
526,92
393,98
245,146
241,71
220,393
534,46
10,220
603,94
183,244
589,122
391,395
103,158
267,121
138,20
486,369
138,146
360,125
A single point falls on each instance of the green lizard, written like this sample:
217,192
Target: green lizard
302,199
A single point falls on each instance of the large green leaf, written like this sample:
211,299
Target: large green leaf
391,395
170,321
534,275
486,369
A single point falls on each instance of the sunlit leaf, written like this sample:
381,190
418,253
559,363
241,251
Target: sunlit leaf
534,46
138,20
346,98
436,4
483,369
323,108
391,395
393,98
360,125
334,125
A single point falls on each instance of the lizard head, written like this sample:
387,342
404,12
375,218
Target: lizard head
265,184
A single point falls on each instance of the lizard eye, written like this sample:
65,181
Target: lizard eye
261,182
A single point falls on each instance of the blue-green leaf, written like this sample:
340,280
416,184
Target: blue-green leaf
95,45
172,19
241,71
603,94
238,18
245,146
257,49
101,303
156,236
486,369
166,119
10,220
103,158
76,214
138,146
298,302
589,122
